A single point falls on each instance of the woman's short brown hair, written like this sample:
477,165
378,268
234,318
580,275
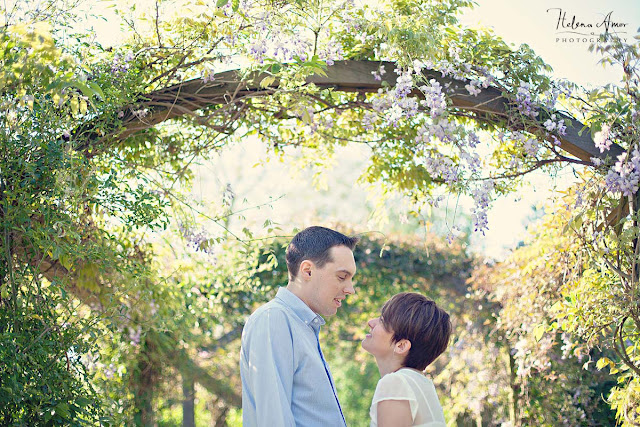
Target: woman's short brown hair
418,319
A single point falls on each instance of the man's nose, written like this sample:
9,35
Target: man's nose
371,323
350,290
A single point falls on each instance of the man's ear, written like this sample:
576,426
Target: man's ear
306,267
402,347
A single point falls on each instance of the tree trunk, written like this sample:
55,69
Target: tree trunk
221,419
143,384
188,402
514,391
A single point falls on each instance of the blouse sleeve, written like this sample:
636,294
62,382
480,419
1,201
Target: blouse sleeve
394,386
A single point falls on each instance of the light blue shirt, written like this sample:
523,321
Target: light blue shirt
285,378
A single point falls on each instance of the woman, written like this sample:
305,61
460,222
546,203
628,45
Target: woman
411,332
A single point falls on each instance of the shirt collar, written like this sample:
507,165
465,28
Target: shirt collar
301,309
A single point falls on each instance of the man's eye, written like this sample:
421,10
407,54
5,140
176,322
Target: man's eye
342,278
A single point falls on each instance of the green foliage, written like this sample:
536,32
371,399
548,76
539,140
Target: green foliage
58,246
551,317
42,377
101,256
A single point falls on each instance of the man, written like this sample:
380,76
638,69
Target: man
285,377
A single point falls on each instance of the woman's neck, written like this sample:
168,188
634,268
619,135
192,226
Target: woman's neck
386,366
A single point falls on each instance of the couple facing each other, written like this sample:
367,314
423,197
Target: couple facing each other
286,380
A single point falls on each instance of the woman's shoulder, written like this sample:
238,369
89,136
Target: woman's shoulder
392,379
392,384
414,375
417,380
402,374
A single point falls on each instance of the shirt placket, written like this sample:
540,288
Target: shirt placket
316,330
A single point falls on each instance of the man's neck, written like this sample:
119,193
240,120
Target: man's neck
296,288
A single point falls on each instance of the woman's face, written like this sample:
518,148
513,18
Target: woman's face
378,341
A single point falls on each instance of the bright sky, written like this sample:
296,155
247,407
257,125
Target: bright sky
537,24
545,25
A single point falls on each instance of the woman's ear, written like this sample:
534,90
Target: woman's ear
402,347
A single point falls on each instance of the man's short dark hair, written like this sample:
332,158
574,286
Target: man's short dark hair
416,318
314,244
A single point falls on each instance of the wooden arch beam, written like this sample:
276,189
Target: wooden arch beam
347,76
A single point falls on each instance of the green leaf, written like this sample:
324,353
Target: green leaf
320,71
96,89
62,409
267,81
83,401
222,3
538,332
86,91
235,5
66,262
602,362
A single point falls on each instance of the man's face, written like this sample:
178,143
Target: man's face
328,286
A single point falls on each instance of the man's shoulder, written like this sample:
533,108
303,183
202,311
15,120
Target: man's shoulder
274,309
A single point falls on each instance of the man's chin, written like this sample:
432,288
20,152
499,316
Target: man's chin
331,312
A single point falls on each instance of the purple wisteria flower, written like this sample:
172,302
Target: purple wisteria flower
327,122
524,102
624,176
473,140
120,63
423,135
208,76
558,126
482,196
228,195
472,87
442,167
109,371
153,307
551,97
333,52
141,114
368,120
199,240
134,335
602,139
444,130
404,84
531,146
380,103
378,74
434,98
281,50
471,160
258,49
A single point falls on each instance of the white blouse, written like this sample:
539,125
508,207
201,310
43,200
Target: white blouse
408,384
